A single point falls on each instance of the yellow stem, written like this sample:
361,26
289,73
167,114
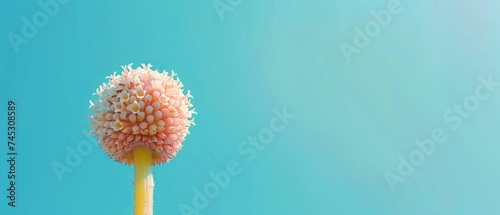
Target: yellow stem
143,182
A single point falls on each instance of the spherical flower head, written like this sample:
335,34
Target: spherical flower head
142,108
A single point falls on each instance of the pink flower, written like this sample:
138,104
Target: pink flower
142,108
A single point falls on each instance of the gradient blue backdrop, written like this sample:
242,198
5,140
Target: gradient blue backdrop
352,121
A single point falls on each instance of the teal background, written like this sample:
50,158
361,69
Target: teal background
353,120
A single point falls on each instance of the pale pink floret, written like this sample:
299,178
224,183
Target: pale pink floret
142,108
